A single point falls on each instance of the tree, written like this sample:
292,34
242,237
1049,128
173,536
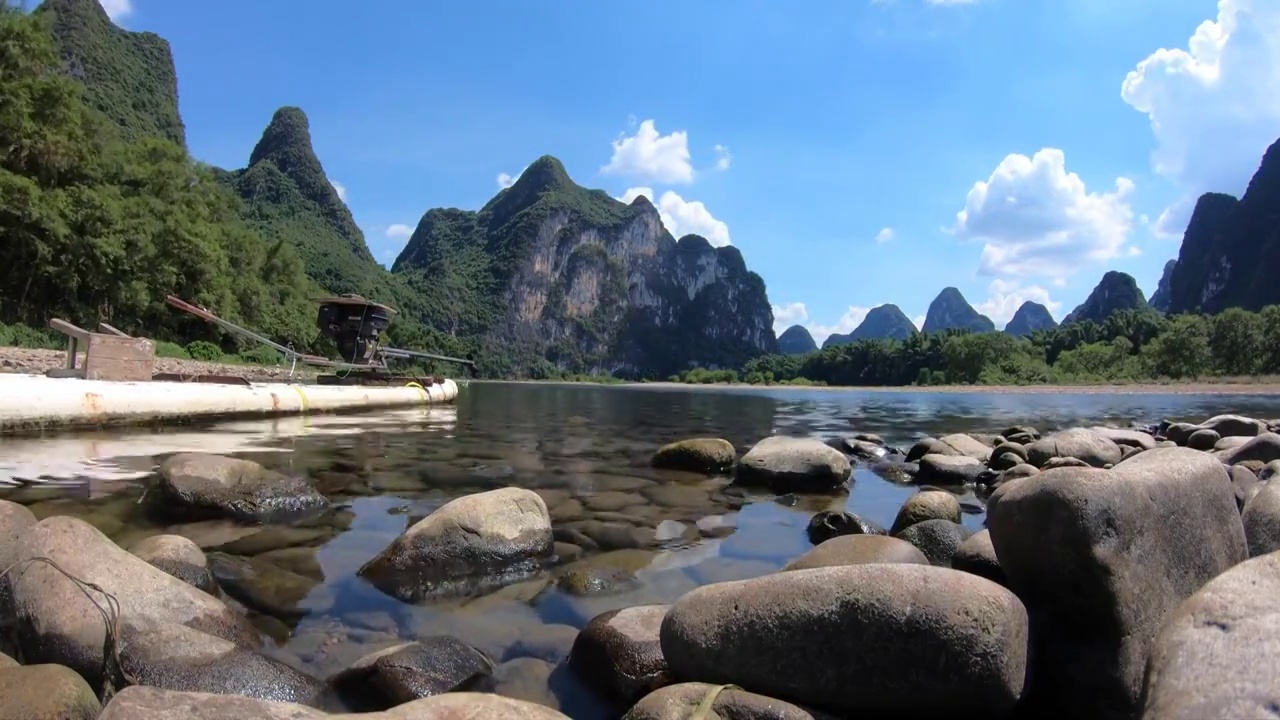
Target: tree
1236,342
1182,350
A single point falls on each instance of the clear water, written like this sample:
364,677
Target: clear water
586,450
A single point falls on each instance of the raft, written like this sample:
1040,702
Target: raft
35,402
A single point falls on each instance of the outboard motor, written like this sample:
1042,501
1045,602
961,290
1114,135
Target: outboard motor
355,325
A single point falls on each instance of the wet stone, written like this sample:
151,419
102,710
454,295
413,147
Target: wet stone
828,524
406,672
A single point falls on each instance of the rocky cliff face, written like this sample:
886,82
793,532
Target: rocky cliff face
951,311
796,340
128,76
1116,291
1230,254
1030,317
885,322
1161,297
552,273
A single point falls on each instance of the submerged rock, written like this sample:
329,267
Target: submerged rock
827,524
202,485
45,692
703,455
486,538
1116,567
406,672
178,557
929,640
619,652
788,464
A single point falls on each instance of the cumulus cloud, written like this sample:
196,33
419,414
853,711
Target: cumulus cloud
340,189
683,217
1036,217
117,9
852,318
918,321
506,180
884,236
724,159
1214,106
1004,297
788,314
399,231
647,155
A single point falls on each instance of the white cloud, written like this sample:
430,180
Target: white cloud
117,9
399,231
724,159
885,235
650,156
506,180
683,217
918,321
340,189
786,315
1035,217
850,320
1214,107
1004,297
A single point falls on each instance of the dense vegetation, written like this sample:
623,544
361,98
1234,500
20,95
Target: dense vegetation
1130,346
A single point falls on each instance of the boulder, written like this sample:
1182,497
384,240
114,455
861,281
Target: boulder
681,702
263,586
967,446
15,519
929,446
862,448
1203,439
57,623
1269,471
1178,433
1261,518
1234,426
1229,443
1022,470
45,692
1083,444
978,556
484,539
949,470
929,640
147,703
619,652
1021,434
827,524
1006,455
179,557
858,550
1099,566
701,455
1244,484
200,485
926,505
1127,438
1216,655
1264,448
788,464
1061,462
403,673
937,539
550,643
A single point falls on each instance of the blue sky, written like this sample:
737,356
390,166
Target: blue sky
858,152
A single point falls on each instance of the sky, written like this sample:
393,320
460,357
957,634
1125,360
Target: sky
857,152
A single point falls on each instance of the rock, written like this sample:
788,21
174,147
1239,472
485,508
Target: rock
619,652
1269,471
1230,443
1021,434
551,643
679,702
1061,462
593,579
486,538
1216,655
978,556
173,657
46,692
262,586
1128,451
827,524
926,505
1006,455
1127,438
1203,440
948,470
1079,443
1234,426
179,557
1115,567
1019,471
895,470
403,673
6,661
1261,519
858,550
930,446
1264,448
789,464
1244,484
211,486
937,539
967,446
862,448
1179,432
57,623
966,653
15,519
711,456
147,703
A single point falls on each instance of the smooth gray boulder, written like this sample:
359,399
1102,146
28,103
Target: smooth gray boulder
403,673
928,640
926,505
55,622
486,539
977,555
1126,438
701,455
15,519
1006,455
199,485
45,692
1203,439
1264,448
948,470
967,446
1099,565
1261,518
1244,484
788,464
147,703
680,702
619,652
827,524
1216,655
858,550
938,539
179,557
1083,444
1234,426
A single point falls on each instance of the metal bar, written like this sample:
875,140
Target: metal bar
405,354
185,306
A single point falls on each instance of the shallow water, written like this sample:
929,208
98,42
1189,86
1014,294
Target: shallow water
584,449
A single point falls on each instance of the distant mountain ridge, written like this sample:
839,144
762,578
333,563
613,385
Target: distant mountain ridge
1116,291
884,322
796,340
951,311
1029,318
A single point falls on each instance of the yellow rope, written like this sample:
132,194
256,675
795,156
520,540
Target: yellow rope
703,711
426,398
298,389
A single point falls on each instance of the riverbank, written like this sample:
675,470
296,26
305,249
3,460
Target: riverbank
39,361
1269,385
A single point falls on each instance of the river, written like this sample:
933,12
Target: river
585,449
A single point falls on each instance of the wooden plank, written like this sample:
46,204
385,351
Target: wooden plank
110,357
69,330
109,330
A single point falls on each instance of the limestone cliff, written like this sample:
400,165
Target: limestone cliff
884,322
555,276
950,311
796,340
1161,297
1030,317
1116,291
